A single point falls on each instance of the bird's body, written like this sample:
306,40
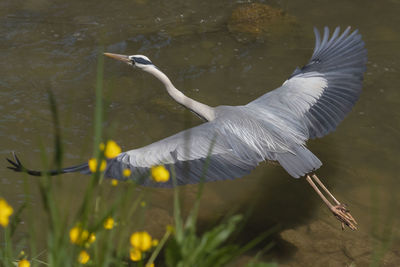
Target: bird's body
236,140
275,126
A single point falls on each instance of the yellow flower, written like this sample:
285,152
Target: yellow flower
111,149
108,223
150,265
143,204
170,228
93,165
79,236
5,212
74,234
92,238
135,254
141,241
24,263
155,242
83,257
160,174
126,172
114,182
84,235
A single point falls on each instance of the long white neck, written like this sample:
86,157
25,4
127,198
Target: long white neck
200,109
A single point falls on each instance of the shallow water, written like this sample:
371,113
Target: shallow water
54,45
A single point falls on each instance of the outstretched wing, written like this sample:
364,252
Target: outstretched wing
207,151
202,151
322,92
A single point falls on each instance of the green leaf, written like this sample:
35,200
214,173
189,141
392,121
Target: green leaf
172,253
16,219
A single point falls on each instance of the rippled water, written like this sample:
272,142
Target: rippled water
54,45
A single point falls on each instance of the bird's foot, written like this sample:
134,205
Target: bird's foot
343,215
338,209
16,165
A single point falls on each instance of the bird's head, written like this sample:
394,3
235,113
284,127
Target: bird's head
138,61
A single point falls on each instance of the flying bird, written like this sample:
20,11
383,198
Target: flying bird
233,140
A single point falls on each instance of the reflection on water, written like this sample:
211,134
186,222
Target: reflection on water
47,44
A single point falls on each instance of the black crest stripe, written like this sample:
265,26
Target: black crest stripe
142,61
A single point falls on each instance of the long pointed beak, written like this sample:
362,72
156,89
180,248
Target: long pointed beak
122,58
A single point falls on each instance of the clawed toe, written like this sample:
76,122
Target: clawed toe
343,214
16,165
339,210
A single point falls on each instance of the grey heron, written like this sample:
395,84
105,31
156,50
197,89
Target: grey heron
274,127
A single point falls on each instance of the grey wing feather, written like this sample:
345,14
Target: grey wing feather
198,152
322,92
226,148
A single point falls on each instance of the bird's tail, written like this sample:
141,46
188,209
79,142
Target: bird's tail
300,162
17,166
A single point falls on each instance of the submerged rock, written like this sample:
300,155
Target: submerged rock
251,21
